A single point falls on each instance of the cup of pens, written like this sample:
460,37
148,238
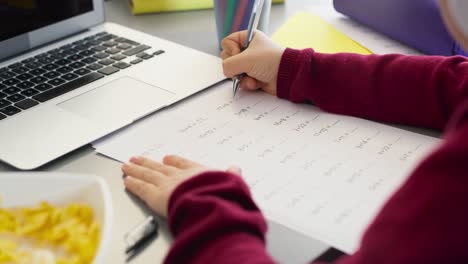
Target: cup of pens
234,15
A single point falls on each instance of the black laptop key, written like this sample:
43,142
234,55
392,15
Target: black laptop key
11,90
101,55
106,37
90,37
69,76
25,85
93,42
2,95
10,82
106,62
101,34
124,46
83,47
64,69
25,104
38,79
4,103
108,70
124,40
158,52
2,116
52,75
4,69
87,53
56,82
82,71
43,87
94,66
62,62
112,51
46,60
2,86
50,67
37,71
7,75
78,42
69,52
110,44
136,61
121,65
136,50
29,60
56,56
29,92
38,63
15,98
54,51
33,65
10,110
24,76
15,65
98,48
139,55
20,70
118,57
74,57
40,56
77,65
146,57
70,86
89,60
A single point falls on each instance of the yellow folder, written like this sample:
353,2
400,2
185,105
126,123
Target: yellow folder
305,30
152,6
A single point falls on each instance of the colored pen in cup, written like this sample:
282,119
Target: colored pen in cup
253,24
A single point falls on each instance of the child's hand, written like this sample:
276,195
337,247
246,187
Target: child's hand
260,61
154,182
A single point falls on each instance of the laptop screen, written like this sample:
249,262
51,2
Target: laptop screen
21,16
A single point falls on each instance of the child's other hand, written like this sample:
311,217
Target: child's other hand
260,61
154,182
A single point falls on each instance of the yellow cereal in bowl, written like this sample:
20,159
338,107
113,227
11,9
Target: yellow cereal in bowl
48,234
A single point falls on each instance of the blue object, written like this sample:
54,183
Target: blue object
416,23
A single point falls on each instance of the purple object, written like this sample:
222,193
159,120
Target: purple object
417,23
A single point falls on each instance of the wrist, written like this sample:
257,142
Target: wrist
286,72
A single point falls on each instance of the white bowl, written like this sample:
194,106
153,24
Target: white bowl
30,188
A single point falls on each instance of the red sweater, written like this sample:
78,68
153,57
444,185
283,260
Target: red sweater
214,220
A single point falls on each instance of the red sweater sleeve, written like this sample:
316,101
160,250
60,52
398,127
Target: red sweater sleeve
412,90
214,220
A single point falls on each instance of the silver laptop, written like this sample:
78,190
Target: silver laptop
67,78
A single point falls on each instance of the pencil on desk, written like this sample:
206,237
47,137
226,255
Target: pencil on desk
230,13
240,13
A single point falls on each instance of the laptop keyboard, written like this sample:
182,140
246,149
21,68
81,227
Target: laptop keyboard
35,80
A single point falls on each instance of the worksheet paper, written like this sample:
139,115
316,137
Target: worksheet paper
321,174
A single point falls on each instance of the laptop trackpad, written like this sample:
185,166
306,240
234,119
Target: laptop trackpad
120,101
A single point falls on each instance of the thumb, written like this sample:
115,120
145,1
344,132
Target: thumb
235,65
235,170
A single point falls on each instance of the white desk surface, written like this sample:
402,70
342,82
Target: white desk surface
195,29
